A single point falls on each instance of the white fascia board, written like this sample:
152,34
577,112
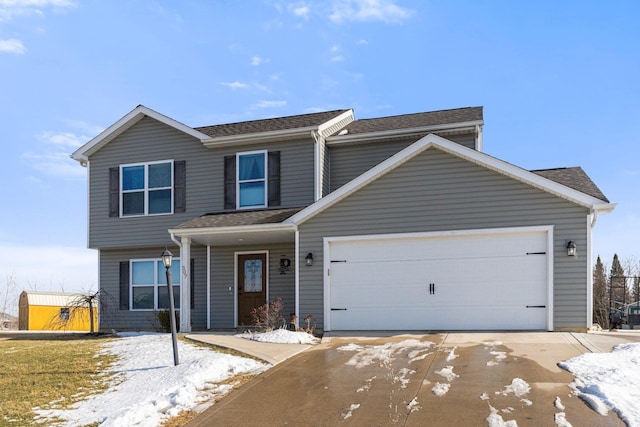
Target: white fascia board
458,150
134,116
373,136
259,228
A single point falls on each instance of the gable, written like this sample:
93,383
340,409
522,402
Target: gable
473,156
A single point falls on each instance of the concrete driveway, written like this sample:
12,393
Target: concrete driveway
449,379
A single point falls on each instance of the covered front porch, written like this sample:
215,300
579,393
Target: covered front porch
249,258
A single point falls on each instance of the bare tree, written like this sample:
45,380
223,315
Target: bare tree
81,306
8,299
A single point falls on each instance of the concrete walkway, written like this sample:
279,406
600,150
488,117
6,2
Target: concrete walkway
390,380
273,353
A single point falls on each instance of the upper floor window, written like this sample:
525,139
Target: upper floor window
147,188
149,284
252,182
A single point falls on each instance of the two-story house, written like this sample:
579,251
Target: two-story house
392,223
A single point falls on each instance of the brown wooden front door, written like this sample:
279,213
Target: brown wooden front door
252,285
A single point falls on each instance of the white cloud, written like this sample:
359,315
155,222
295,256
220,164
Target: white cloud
337,58
53,157
256,60
270,104
301,10
12,8
362,41
12,46
335,48
368,11
235,85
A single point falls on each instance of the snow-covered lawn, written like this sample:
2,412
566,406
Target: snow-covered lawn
609,381
148,389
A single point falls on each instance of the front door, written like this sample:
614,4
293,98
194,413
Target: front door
252,285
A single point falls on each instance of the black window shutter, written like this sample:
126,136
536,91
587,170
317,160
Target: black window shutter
124,285
179,186
230,182
114,192
193,285
274,178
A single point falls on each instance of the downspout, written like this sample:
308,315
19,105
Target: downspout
297,277
317,165
478,138
208,286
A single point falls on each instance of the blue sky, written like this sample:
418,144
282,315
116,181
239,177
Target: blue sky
559,82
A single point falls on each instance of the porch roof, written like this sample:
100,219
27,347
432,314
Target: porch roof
245,227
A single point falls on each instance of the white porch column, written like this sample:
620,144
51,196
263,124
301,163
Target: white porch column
185,285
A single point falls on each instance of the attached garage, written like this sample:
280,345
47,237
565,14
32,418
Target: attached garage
462,280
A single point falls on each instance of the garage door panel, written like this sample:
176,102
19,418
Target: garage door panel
448,282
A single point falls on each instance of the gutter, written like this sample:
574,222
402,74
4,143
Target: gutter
244,139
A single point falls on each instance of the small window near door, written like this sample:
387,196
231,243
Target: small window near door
253,275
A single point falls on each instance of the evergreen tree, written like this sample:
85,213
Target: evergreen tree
617,284
600,296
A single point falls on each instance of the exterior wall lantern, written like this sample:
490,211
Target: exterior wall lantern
167,259
309,259
572,249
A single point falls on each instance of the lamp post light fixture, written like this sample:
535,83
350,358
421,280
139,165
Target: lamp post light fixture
572,249
167,259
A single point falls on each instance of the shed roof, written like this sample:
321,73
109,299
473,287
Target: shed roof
52,299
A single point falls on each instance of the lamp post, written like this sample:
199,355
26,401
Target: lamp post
167,259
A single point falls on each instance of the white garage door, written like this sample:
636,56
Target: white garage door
488,281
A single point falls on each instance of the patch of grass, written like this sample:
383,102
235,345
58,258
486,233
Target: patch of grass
37,369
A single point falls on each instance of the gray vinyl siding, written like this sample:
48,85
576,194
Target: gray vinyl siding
436,191
223,279
111,317
348,161
149,140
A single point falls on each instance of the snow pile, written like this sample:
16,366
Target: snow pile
609,380
281,336
148,389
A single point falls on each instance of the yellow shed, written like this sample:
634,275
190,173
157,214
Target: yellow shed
51,311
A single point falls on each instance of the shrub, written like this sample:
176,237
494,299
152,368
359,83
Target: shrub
268,317
164,322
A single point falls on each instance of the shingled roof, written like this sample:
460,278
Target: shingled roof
270,125
234,219
575,178
415,120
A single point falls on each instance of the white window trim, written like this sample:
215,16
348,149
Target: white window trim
265,179
146,189
155,285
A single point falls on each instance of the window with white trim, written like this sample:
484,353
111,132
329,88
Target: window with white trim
148,283
251,179
146,188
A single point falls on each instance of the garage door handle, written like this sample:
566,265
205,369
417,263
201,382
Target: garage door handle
536,306
338,309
